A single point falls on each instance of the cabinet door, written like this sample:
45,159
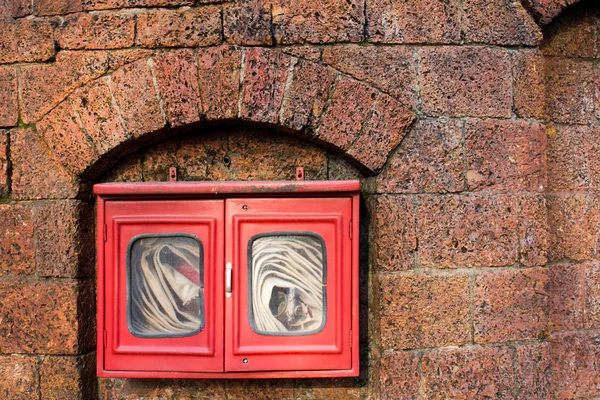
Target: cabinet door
164,286
290,301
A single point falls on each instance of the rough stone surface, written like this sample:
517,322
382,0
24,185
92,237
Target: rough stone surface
199,26
311,21
510,305
167,389
547,10
64,377
20,377
430,159
53,7
4,172
264,389
533,230
15,9
96,31
423,21
505,155
331,389
533,373
592,296
9,105
464,231
16,240
394,232
109,4
423,311
566,289
466,81
248,23
399,375
26,40
573,34
529,83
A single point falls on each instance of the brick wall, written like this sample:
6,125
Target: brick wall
470,123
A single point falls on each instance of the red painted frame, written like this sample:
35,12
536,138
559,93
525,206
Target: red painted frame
254,193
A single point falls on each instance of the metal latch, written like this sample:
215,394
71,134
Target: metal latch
228,279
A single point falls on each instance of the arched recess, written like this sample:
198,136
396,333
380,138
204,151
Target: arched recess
546,10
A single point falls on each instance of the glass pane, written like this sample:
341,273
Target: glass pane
166,295
286,284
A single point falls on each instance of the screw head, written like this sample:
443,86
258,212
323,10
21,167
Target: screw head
245,361
245,207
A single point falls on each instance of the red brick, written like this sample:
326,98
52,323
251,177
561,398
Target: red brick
400,378
307,95
53,7
429,159
469,373
64,377
592,296
38,318
219,79
307,51
529,84
68,144
334,389
466,81
179,28
351,103
248,23
135,93
566,294
382,133
570,91
575,369
177,78
43,86
263,389
533,231
167,389
100,120
573,226
4,181
16,240
534,372
502,22
15,9
546,10
109,4
420,311
96,31
35,174
573,34
505,155
423,21
467,231
119,58
26,40
312,21
264,79
20,377
394,232
9,104
510,305
390,69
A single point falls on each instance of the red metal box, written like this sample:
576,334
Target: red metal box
228,280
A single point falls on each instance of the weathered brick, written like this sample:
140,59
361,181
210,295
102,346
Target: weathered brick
177,78
35,174
9,104
533,379
193,27
306,96
573,34
16,240
505,155
423,21
43,86
265,76
420,311
110,4
502,22
469,373
335,389
135,94
592,296
464,231
312,21
566,294
394,232
400,378
570,91
573,226
67,142
391,69
248,23
15,9
575,369
26,40
20,377
38,318
546,10
306,51
119,58
219,79
167,389
53,7
263,389
4,181
351,103
100,120
67,377
533,230
429,159
510,305
339,168
382,133
529,84
96,31
466,81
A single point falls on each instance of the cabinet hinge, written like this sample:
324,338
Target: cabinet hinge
105,339
105,233
350,230
350,338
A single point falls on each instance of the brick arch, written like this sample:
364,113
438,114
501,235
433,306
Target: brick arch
99,120
547,10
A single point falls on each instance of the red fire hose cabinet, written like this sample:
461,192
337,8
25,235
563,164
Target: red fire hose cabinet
228,280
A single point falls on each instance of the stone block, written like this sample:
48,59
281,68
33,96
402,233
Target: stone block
9,103
26,40
53,7
572,35
164,389
68,377
16,240
20,377
111,4
400,377
533,372
248,23
533,230
15,9
566,295
529,83
96,31
4,162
